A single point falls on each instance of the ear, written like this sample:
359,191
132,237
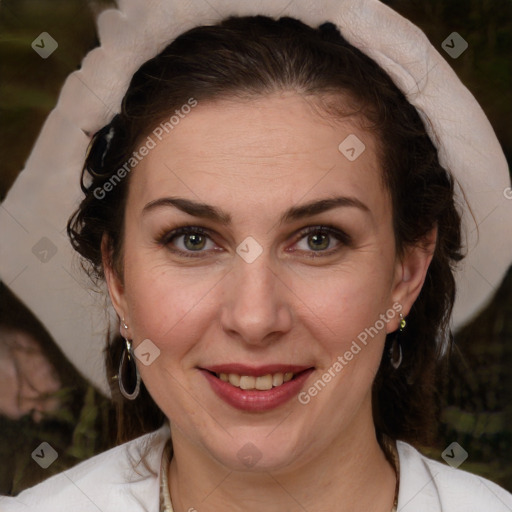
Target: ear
410,274
113,279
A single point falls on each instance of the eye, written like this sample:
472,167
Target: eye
188,240
193,239
318,239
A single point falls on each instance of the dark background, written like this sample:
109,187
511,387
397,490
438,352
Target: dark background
477,399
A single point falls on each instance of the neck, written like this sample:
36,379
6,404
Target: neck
351,474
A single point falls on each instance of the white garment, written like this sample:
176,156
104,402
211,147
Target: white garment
109,483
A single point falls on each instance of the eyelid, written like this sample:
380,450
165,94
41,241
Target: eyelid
166,237
325,228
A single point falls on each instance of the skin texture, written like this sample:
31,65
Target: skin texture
254,160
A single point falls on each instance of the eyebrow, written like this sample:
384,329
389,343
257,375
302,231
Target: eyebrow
294,213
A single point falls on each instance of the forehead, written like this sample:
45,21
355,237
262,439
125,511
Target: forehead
274,150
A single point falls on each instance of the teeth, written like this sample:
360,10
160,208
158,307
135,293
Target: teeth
277,379
234,379
247,382
262,383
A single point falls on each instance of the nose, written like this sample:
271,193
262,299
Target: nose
257,308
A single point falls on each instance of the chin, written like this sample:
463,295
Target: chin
258,452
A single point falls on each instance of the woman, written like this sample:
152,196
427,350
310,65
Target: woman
278,238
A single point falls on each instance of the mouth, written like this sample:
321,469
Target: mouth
256,389
262,383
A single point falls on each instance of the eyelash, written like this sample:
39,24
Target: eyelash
165,238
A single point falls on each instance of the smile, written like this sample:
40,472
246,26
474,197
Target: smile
262,383
256,389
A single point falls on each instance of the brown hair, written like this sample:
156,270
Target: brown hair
246,57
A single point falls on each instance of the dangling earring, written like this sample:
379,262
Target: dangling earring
395,352
128,372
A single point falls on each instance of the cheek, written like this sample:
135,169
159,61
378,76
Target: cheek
168,305
343,316
165,307
158,304
345,301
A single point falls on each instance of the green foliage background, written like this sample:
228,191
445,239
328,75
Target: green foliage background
477,398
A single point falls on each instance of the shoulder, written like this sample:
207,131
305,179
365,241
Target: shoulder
125,476
428,485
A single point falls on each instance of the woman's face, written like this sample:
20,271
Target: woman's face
257,288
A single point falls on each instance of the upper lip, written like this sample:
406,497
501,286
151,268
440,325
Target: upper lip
255,371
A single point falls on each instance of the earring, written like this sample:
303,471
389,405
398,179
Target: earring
395,352
128,372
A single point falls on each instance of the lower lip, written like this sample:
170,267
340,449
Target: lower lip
255,400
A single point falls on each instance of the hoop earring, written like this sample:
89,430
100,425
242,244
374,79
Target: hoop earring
395,351
128,370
